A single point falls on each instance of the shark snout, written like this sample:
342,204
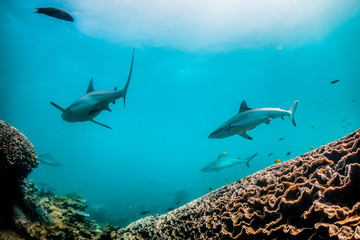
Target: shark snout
218,133
213,135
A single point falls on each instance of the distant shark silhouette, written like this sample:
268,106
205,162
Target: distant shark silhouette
223,161
48,160
93,102
248,119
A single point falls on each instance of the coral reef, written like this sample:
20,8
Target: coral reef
313,196
69,219
19,205
25,213
17,154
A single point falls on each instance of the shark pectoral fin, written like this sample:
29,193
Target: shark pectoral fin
107,108
243,134
267,121
100,124
57,106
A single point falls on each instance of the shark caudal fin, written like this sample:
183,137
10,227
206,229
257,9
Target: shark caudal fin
249,159
292,111
128,81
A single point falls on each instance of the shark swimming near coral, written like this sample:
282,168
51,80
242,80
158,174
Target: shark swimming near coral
224,161
94,102
248,119
47,159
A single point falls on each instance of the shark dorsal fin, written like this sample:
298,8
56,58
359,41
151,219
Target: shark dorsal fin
243,107
221,155
90,87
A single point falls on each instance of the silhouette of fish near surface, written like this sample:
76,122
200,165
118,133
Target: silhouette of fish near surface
248,119
55,12
223,161
48,160
94,102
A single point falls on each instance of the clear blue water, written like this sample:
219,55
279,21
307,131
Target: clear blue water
189,76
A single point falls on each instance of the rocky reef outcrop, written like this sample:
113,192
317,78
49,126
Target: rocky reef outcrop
313,196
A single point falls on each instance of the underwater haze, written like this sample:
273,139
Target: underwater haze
195,62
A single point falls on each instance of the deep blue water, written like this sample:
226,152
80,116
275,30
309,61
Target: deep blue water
185,83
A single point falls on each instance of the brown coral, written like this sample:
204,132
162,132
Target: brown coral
17,154
17,204
313,196
69,219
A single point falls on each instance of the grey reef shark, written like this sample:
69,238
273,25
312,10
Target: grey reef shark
48,160
94,102
248,119
223,161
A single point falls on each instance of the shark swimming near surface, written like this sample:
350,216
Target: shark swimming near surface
248,119
223,161
93,102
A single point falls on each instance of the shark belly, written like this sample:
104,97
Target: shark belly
82,111
248,123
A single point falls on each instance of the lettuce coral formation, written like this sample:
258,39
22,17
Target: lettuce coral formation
313,196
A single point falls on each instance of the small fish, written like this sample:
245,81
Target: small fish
312,148
270,154
280,139
170,208
277,160
287,154
312,125
226,180
335,81
353,100
177,203
130,207
55,12
210,188
144,212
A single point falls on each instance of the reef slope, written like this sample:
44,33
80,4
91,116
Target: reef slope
313,196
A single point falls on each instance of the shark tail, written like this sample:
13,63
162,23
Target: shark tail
292,111
128,81
249,159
